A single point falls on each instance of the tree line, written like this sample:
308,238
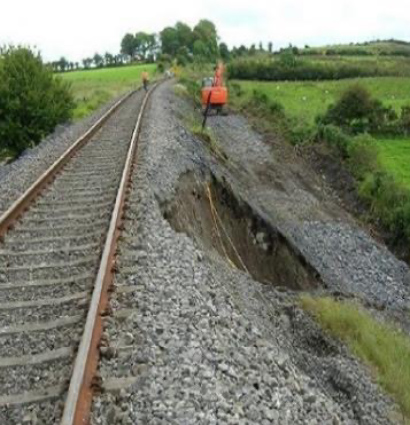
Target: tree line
96,61
180,42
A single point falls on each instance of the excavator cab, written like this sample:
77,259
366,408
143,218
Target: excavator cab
214,95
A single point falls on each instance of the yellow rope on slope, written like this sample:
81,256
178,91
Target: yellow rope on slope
216,217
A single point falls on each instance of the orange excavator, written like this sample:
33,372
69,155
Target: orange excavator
214,94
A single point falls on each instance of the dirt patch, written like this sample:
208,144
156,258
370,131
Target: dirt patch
211,213
337,176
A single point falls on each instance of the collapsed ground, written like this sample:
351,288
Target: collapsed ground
225,244
223,247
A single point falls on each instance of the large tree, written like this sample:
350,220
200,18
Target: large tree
224,51
98,60
185,35
205,33
145,44
128,45
108,59
169,41
63,64
87,62
180,41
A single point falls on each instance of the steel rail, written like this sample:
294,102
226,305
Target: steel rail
24,201
79,398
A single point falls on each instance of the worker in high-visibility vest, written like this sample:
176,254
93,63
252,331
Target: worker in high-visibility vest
145,80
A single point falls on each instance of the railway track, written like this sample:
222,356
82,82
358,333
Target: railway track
56,260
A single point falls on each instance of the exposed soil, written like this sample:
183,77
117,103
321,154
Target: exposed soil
211,213
325,163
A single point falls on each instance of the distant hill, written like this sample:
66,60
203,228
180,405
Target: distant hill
372,48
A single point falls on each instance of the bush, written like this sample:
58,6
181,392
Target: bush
334,137
194,89
362,154
261,103
32,100
235,89
357,111
299,132
389,203
404,123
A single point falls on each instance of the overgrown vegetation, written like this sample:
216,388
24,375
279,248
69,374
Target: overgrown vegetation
354,126
305,100
208,136
189,87
187,44
372,48
289,67
380,345
357,111
32,100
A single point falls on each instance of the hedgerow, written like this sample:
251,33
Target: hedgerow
300,70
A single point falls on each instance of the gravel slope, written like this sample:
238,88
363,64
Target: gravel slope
346,257
48,264
204,343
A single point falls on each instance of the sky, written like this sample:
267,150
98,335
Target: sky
79,28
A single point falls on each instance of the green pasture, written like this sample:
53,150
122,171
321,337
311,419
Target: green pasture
394,155
374,48
306,99
93,88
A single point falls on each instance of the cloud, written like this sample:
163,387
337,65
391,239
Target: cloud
80,28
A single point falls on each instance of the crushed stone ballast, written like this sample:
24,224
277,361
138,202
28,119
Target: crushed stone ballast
56,255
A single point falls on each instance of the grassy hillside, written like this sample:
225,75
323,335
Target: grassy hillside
394,154
301,67
305,100
380,47
93,88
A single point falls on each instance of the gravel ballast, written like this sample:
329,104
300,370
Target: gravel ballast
17,177
201,341
47,271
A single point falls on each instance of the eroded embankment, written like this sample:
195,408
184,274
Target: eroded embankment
203,342
209,211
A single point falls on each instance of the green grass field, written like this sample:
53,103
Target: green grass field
381,47
394,155
306,99
95,87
